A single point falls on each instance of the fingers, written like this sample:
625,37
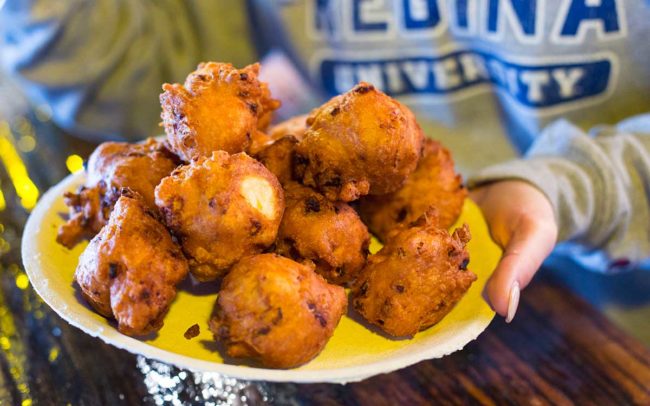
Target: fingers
530,243
522,222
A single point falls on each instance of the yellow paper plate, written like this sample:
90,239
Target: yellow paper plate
353,353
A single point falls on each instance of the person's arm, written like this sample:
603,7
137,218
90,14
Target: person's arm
592,189
99,65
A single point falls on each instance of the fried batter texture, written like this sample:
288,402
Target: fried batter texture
221,208
415,279
111,167
130,270
295,126
362,142
218,108
278,158
328,234
276,311
434,183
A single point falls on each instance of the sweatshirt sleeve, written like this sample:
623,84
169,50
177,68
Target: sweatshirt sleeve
99,64
597,182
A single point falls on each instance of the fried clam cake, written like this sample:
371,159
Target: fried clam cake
219,107
278,158
415,279
434,183
221,209
276,150
112,167
276,311
294,127
328,234
130,270
361,142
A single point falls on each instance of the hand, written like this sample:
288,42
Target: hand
521,221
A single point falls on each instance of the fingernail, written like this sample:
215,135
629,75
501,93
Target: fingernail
513,302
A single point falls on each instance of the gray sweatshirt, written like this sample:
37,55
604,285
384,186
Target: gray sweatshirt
489,78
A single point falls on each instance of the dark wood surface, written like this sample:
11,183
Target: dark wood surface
559,350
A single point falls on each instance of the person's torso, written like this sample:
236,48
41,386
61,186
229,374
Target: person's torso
478,73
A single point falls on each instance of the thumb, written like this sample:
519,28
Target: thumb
530,243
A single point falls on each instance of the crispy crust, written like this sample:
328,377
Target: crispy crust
276,311
205,207
112,167
362,142
328,234
130,270
293,128
416,279
278,158
434,183
218,108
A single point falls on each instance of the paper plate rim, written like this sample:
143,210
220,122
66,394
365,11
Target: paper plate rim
111,336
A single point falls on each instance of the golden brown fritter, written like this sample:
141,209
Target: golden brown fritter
218,108
259,141
278,158
362,142
130,270
268,106
276,150
416,279
294,127
221,208
328,234
111,167
434,183
276,311
88,213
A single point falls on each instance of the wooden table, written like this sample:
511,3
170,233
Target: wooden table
559,350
